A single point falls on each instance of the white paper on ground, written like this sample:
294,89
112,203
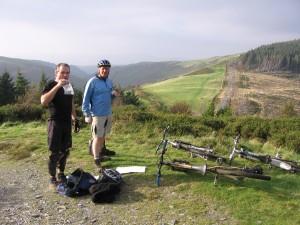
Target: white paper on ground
131,169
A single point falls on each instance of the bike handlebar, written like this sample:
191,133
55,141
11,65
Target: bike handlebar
234,150
165,132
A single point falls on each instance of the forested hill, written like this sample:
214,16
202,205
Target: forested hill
125,75
277,57
32,70
150,72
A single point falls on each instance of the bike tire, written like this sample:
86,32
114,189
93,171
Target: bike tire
295,169
236,172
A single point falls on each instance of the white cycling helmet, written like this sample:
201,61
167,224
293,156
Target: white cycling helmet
112,175
104,62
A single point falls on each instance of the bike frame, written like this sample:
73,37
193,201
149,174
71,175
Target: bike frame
205,153
288,165
231,172
202,152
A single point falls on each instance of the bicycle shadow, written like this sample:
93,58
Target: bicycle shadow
139,187
280,186
143,187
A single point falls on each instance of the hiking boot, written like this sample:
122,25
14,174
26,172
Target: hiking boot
62,179
52,184
90,147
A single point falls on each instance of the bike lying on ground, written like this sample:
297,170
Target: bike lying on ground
276,161
227,171
195,151
202,152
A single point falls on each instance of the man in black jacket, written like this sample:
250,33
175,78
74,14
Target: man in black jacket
58,96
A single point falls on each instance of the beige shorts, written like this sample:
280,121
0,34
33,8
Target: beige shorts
101,126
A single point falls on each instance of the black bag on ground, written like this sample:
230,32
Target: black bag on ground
78,183
107,187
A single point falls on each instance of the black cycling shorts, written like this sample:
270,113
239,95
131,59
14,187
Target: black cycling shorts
59,135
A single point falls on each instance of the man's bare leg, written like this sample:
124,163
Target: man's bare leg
97,148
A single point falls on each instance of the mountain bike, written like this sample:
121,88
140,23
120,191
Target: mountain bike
182,165
195,151
289,165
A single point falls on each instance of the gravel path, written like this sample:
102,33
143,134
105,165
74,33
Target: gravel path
26,199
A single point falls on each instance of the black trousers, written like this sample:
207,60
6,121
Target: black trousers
59,142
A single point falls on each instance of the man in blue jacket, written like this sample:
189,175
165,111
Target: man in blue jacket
97,108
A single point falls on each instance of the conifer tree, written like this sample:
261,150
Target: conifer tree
21,85
7,89
43,82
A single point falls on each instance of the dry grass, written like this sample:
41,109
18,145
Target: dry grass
261,94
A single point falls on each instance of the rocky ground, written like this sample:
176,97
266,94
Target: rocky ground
26,199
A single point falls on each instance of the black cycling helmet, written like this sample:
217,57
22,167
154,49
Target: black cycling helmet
104,62
112,175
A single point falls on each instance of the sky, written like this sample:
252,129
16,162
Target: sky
130,31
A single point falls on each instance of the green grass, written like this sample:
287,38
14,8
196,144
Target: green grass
196,90
190,198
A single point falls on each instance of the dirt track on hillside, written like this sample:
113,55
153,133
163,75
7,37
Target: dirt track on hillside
258,93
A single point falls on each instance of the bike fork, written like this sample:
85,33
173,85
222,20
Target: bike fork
216,179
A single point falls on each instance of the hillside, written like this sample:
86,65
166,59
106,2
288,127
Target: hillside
277,57
267,89
150,72
264,81
197,89
125,75
33,69
256,93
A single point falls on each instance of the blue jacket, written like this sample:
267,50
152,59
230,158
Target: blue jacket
97,97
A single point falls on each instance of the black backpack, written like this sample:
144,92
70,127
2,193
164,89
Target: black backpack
78,183
108,186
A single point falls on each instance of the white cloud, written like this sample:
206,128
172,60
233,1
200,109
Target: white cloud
81,32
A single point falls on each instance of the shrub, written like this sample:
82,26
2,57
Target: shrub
214,123
210,111
293,141
227,111
284,125
262,130
181,108
278,139
251,127
21,112
130,98
199,130
288,109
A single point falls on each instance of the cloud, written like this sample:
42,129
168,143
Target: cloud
129,31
